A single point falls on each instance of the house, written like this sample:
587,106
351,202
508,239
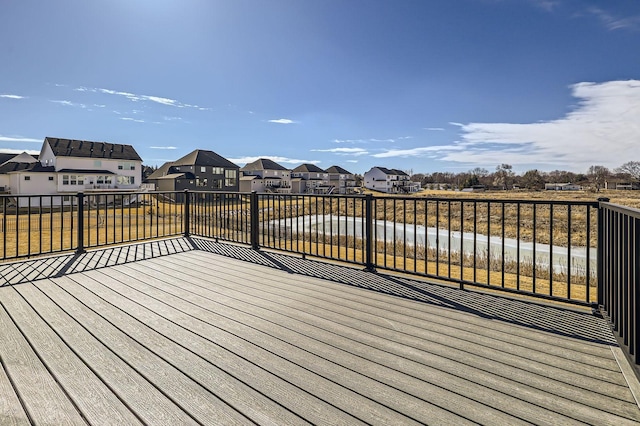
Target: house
309,178
341,179
391,181
69,166
12,163
264,175
200,170
562,187
621,185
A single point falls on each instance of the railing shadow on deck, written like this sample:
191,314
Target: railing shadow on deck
560,320
55,266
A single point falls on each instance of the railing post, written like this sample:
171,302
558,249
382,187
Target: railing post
369,246
186,213
80,248
600,251
254,220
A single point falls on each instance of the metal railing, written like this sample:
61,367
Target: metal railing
579,252
619,274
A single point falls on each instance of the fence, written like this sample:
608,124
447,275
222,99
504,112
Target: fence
619,292
579,252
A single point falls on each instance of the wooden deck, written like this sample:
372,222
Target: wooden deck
188,331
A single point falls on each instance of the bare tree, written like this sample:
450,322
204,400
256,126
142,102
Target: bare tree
597,176
631,169
503,176
533,179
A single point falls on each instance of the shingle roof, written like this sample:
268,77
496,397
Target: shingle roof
201,157
86,171
391,171
29,167
309,168
338,169
89,149
263,164
162,171
13,167
5,156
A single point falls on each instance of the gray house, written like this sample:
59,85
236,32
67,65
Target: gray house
199,170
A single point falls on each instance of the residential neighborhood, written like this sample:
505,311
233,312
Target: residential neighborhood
67,166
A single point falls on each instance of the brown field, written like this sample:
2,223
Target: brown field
502,215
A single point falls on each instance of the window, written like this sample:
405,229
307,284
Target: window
97,163
126,165
99,180
217,170
126,180
201,182
230,178
203,169
217,183
50,177
72,180
27,178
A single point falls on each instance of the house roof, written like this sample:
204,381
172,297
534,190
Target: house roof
201,157
176,176
90,149
263,164
20,158
338,169
161,171
6,156
11,166
30,168
86,171
391,171
308,168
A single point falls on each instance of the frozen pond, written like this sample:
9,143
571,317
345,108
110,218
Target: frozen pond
423,236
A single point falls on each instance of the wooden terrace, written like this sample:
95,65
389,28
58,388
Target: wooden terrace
190,331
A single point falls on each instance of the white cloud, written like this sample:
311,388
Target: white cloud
349,141
282,121
172,118
131,119
20,151
276,158
18,139
163,147
12,96
344,151
604,128
430,151
434,129
140,98
352,161
612,22
68,103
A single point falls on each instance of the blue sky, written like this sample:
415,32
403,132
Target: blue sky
439,85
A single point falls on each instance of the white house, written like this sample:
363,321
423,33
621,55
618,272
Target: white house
264,175
67,166
562,187
391,181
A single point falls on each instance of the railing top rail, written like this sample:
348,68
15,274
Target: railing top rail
630,211
495,200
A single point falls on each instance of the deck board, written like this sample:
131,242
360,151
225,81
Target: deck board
420,366
381,332
43,398
190,331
